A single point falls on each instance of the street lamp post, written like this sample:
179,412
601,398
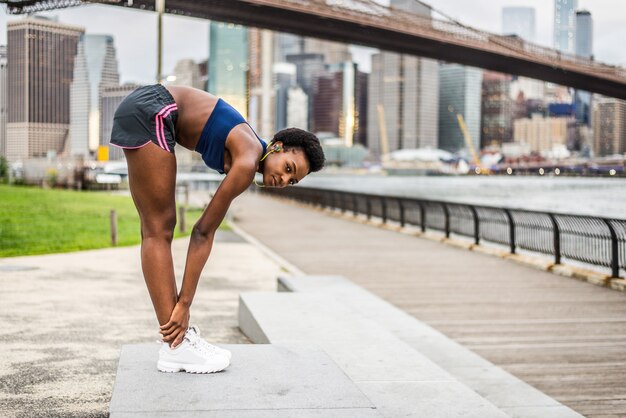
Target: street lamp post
160,8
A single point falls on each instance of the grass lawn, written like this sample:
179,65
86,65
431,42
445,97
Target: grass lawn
38,221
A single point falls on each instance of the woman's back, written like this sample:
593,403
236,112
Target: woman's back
194,108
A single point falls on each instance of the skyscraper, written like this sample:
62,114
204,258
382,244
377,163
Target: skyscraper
543,134
334,52
584,34
80,103
459,92
110,99
287,44
261,112
565,25
41,55
335,105
95,68
497,109
297,108
228,64
403,95
584,48
285,76
519,21
3,100
187,73
308,69
609,126
310,55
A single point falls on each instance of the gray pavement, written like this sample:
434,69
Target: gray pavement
565,337
66,316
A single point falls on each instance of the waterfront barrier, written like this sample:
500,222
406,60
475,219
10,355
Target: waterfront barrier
589,239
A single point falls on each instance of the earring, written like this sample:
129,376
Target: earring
274,149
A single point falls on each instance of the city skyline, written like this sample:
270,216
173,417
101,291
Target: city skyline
394,107
186,37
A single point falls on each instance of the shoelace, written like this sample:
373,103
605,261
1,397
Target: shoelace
201,348
200,343
197,341
209,347
204,342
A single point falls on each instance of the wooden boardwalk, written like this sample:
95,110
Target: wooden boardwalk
565,337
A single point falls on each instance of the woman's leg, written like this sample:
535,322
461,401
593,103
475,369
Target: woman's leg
152,181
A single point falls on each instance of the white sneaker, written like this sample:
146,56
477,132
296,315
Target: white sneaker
190,356
211,347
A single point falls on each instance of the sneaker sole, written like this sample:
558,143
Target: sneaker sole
167,367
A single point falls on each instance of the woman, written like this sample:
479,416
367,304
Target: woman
147,125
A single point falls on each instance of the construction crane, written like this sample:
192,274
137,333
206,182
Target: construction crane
470,144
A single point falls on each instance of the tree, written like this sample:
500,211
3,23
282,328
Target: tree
4,169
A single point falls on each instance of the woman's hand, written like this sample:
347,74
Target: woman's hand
176,327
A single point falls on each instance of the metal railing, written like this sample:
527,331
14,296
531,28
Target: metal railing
588,239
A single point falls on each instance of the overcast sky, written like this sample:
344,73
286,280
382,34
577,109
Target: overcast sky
135,31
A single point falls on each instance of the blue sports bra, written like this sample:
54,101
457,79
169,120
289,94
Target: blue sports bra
212,141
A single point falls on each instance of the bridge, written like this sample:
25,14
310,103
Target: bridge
364,22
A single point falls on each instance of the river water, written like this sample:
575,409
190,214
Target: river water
576,195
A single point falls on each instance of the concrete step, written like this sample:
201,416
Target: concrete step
262,381
502,389
397,379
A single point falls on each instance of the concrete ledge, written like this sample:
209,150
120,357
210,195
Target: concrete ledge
374,222
262,381
412,231
535,262
618,284
391,227
494,384
433,236
362,219
364,350
249,325
459,243
491,251
334,212
593,277
398,379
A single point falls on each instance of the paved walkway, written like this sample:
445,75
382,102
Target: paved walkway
565,337
65,317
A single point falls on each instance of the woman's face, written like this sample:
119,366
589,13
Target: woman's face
284,167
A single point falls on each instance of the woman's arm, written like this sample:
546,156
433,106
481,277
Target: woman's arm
236,181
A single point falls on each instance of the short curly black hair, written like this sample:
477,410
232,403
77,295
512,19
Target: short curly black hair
299,138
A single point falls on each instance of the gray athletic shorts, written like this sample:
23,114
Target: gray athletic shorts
148,114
